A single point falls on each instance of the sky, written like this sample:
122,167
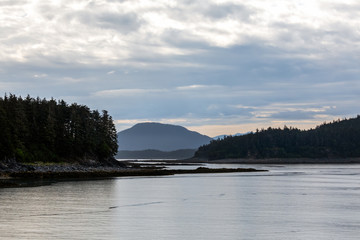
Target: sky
214,66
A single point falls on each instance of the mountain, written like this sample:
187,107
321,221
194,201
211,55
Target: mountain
156,154
157,136
338,139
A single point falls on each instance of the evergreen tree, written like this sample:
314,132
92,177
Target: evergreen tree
329,140
46,130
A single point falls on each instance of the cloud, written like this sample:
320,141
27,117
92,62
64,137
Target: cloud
294,115
126,92
192,62
228,10
120,32
42,75
121,22
197,87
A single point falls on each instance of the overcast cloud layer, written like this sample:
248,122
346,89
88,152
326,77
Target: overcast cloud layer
218,67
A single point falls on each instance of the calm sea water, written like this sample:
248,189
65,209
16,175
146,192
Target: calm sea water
288,202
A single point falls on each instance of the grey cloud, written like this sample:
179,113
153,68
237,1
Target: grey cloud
256,73
48,11
93,15
294,115
197,11
121,22
183,39
226,110
12,3
237,11
349,10
308,37
124,23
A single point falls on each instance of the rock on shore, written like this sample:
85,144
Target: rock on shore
10,167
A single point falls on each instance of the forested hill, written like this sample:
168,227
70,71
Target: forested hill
158,136
33,130
339,139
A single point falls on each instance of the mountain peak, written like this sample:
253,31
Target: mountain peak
159,136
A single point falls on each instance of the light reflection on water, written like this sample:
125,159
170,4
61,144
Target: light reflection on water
289,202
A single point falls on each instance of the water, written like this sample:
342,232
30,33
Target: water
289,202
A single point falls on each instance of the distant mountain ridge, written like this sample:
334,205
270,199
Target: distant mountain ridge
156,154
158,136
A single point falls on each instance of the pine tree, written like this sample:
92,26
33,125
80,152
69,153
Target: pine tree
41,130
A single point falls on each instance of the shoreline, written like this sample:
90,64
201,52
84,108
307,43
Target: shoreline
22,175
274,161
36,178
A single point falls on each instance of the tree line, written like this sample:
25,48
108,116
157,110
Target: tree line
34,129
338,139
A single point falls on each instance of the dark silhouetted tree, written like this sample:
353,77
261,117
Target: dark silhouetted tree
45,130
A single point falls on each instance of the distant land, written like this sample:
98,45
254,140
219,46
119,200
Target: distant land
339,139
163,138
49,139
156,154
40,138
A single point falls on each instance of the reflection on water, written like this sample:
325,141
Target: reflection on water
289,202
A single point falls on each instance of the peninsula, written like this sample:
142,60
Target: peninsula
334,142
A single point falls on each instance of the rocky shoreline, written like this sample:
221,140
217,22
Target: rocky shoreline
19,175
